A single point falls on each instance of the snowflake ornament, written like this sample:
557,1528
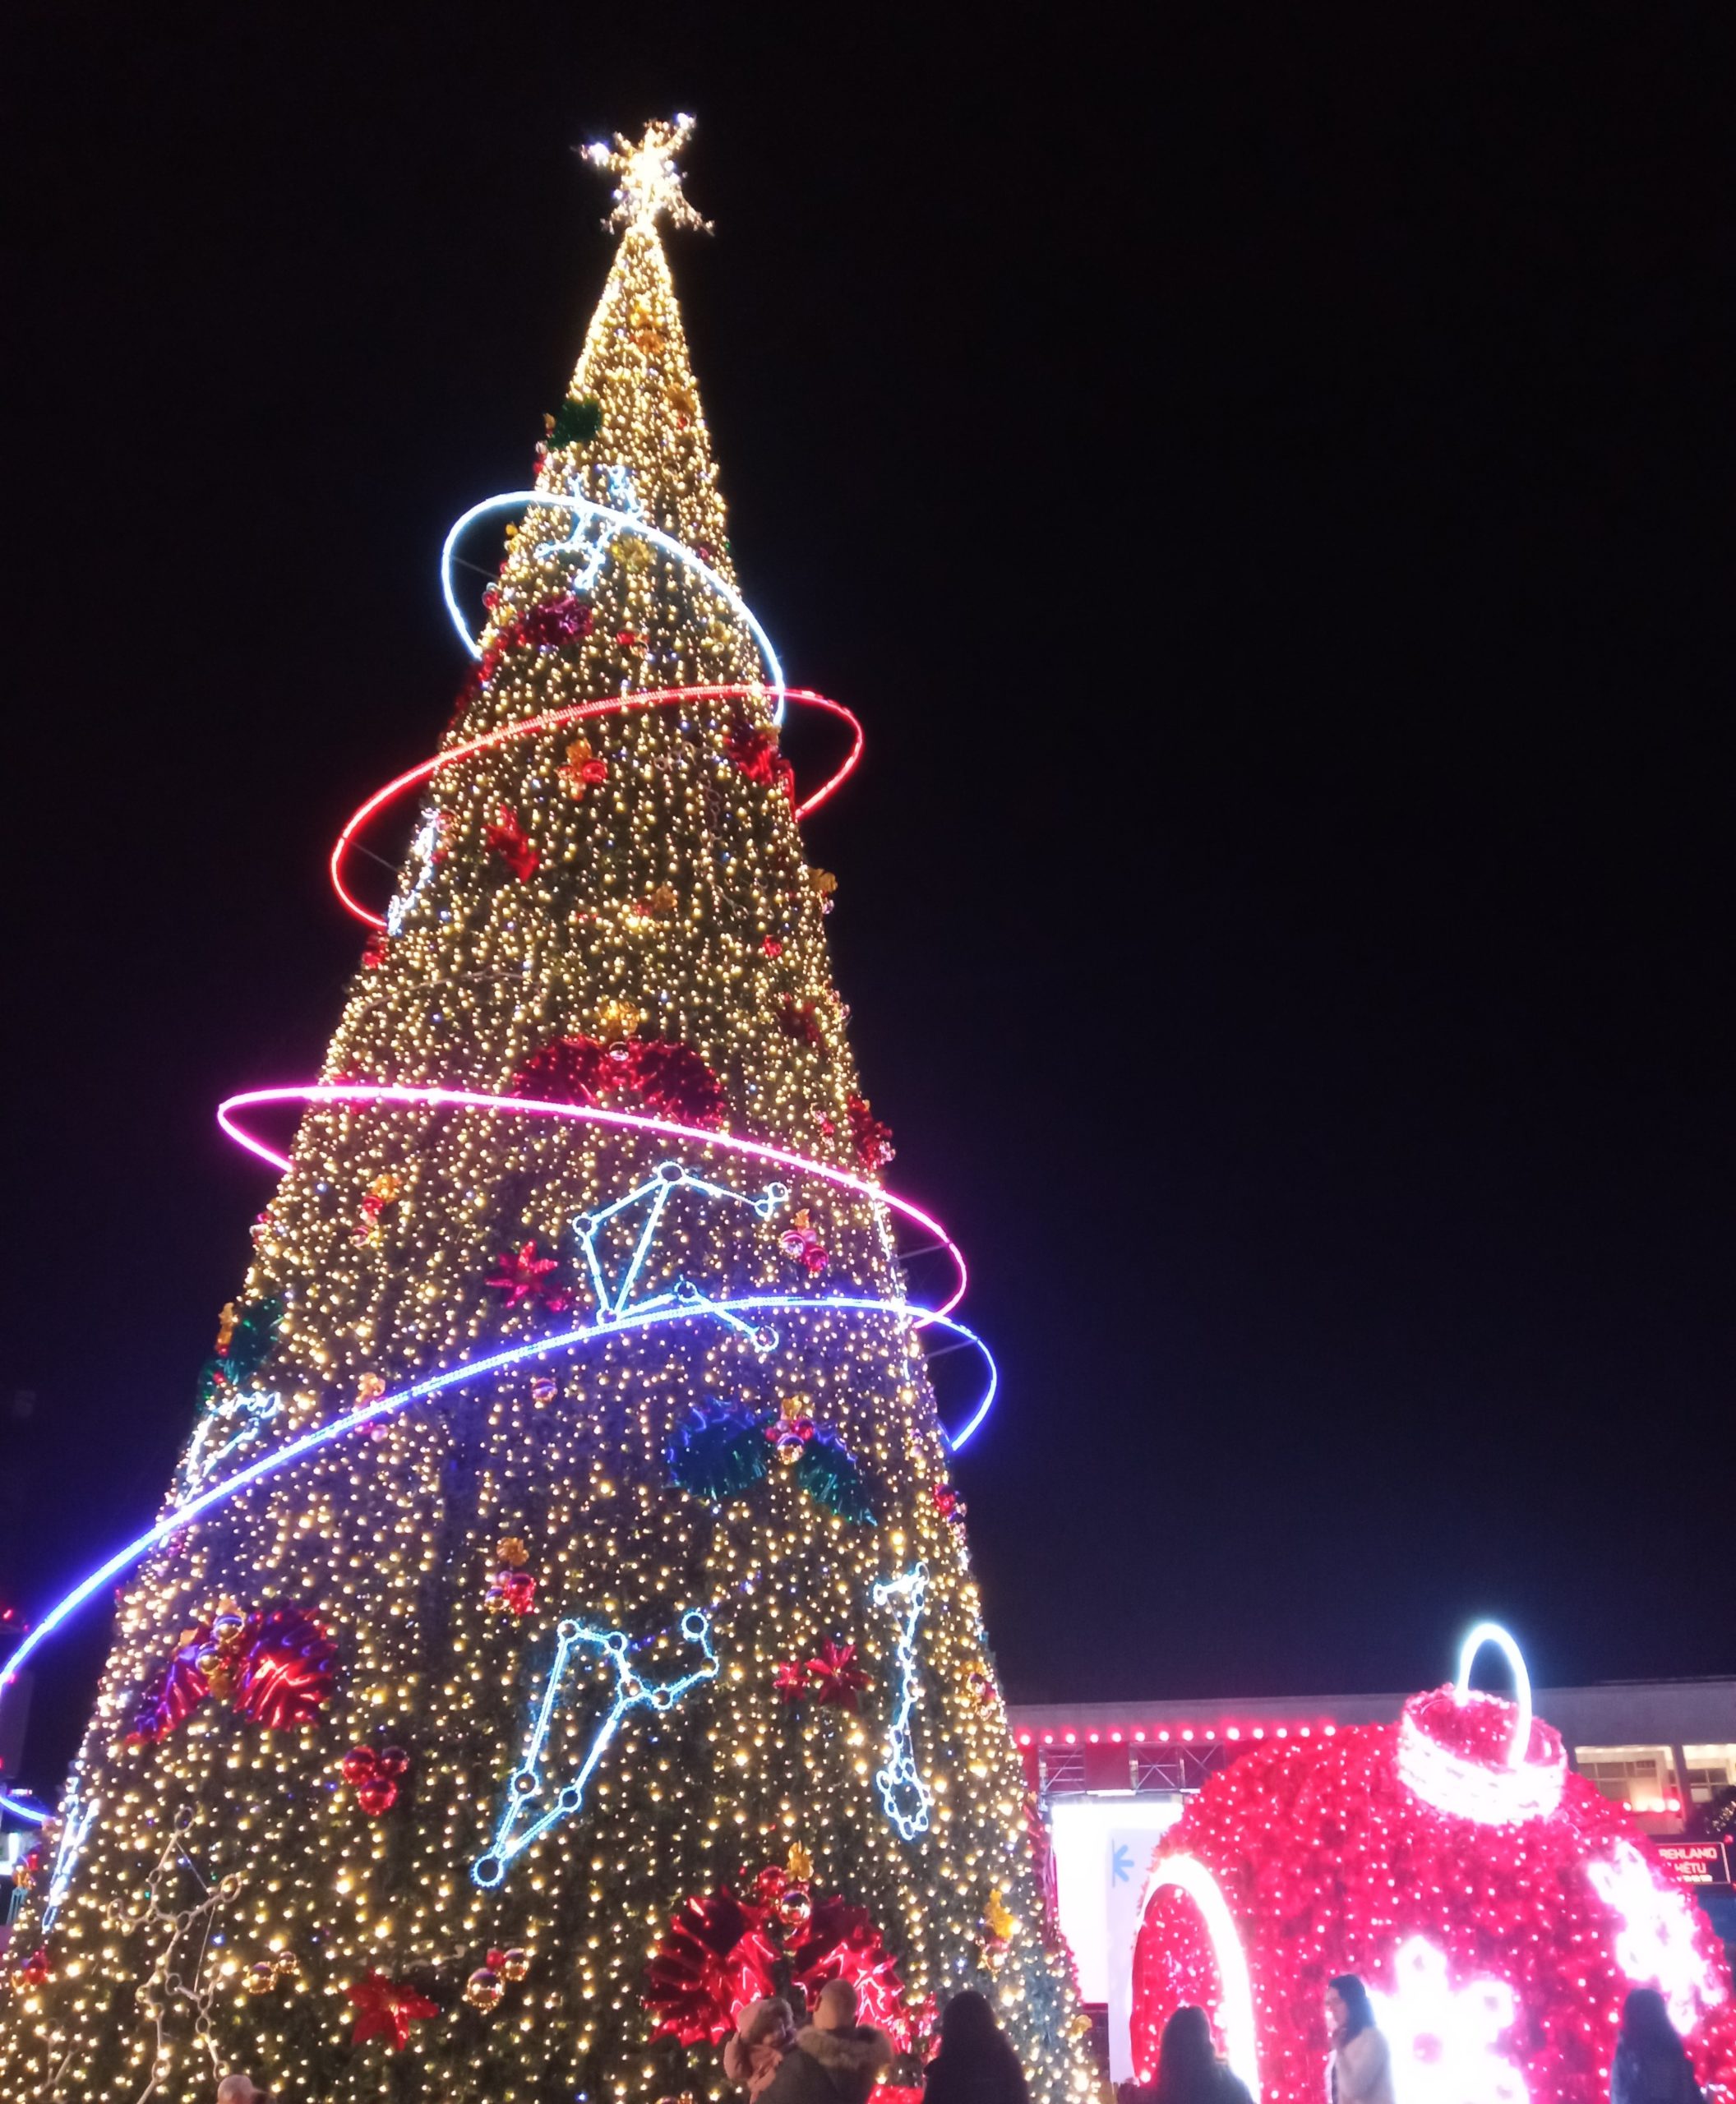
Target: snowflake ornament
1445,2042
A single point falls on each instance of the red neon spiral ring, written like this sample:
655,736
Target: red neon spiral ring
646,698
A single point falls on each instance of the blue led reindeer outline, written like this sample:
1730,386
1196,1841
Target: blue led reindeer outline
631,1692
668,1177
905,1797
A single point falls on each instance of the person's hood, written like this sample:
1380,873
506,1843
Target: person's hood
861,2050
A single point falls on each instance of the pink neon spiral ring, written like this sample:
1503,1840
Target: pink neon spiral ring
398,1094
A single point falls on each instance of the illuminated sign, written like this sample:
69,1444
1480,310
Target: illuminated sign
1694,1862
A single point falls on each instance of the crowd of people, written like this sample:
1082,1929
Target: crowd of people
1651,2066
834,2060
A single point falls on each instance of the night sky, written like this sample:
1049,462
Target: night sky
1265,485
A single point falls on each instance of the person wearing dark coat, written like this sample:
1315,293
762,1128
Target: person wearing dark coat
835,2059
975,2065
1650,2065
1188,2068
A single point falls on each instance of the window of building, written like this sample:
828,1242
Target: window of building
1710,1769
1640,1777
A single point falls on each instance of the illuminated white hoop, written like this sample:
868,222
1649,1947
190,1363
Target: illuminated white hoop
1467,1788
1492,1632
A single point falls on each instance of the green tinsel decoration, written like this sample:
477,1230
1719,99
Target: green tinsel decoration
828,1472
250,1345
577,423
720,1452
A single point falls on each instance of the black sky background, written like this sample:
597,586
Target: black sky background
1264,479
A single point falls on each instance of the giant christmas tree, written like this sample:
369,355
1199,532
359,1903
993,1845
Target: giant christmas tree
560,1627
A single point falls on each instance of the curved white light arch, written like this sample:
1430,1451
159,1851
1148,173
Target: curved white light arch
1188,1874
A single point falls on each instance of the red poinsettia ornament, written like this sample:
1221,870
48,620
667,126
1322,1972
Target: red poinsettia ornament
386,2009
789,1678
276,1666
835,1677
754,751
722,1952
871,1139
719,1955
668,1077
287,1665
557,622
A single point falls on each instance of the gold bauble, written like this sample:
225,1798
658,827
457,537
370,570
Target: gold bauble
484,1988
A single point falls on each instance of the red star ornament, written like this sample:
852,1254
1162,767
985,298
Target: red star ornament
519,1274
387,2009
791,1680
835,1675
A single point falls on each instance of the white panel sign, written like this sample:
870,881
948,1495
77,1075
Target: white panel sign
1103,1847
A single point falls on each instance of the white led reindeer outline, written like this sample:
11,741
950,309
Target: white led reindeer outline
668,1177
631,1692
904,1797
594,530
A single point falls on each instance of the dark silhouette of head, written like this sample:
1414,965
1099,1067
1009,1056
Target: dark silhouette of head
968,2021
1359,2013
1646,2024
1186,2052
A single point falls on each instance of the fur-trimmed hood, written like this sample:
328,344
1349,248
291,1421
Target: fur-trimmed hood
852,2058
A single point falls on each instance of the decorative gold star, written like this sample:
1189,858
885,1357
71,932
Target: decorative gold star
648,183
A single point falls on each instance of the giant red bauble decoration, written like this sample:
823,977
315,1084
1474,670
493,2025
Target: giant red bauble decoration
1499,1908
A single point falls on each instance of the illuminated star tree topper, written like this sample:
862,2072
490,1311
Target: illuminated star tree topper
648,185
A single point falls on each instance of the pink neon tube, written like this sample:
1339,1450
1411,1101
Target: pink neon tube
398,1094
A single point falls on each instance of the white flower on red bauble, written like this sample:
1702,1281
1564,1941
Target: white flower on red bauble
1655,1947
1445,2041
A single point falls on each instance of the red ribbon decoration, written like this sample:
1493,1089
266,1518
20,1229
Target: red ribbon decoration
670,1079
